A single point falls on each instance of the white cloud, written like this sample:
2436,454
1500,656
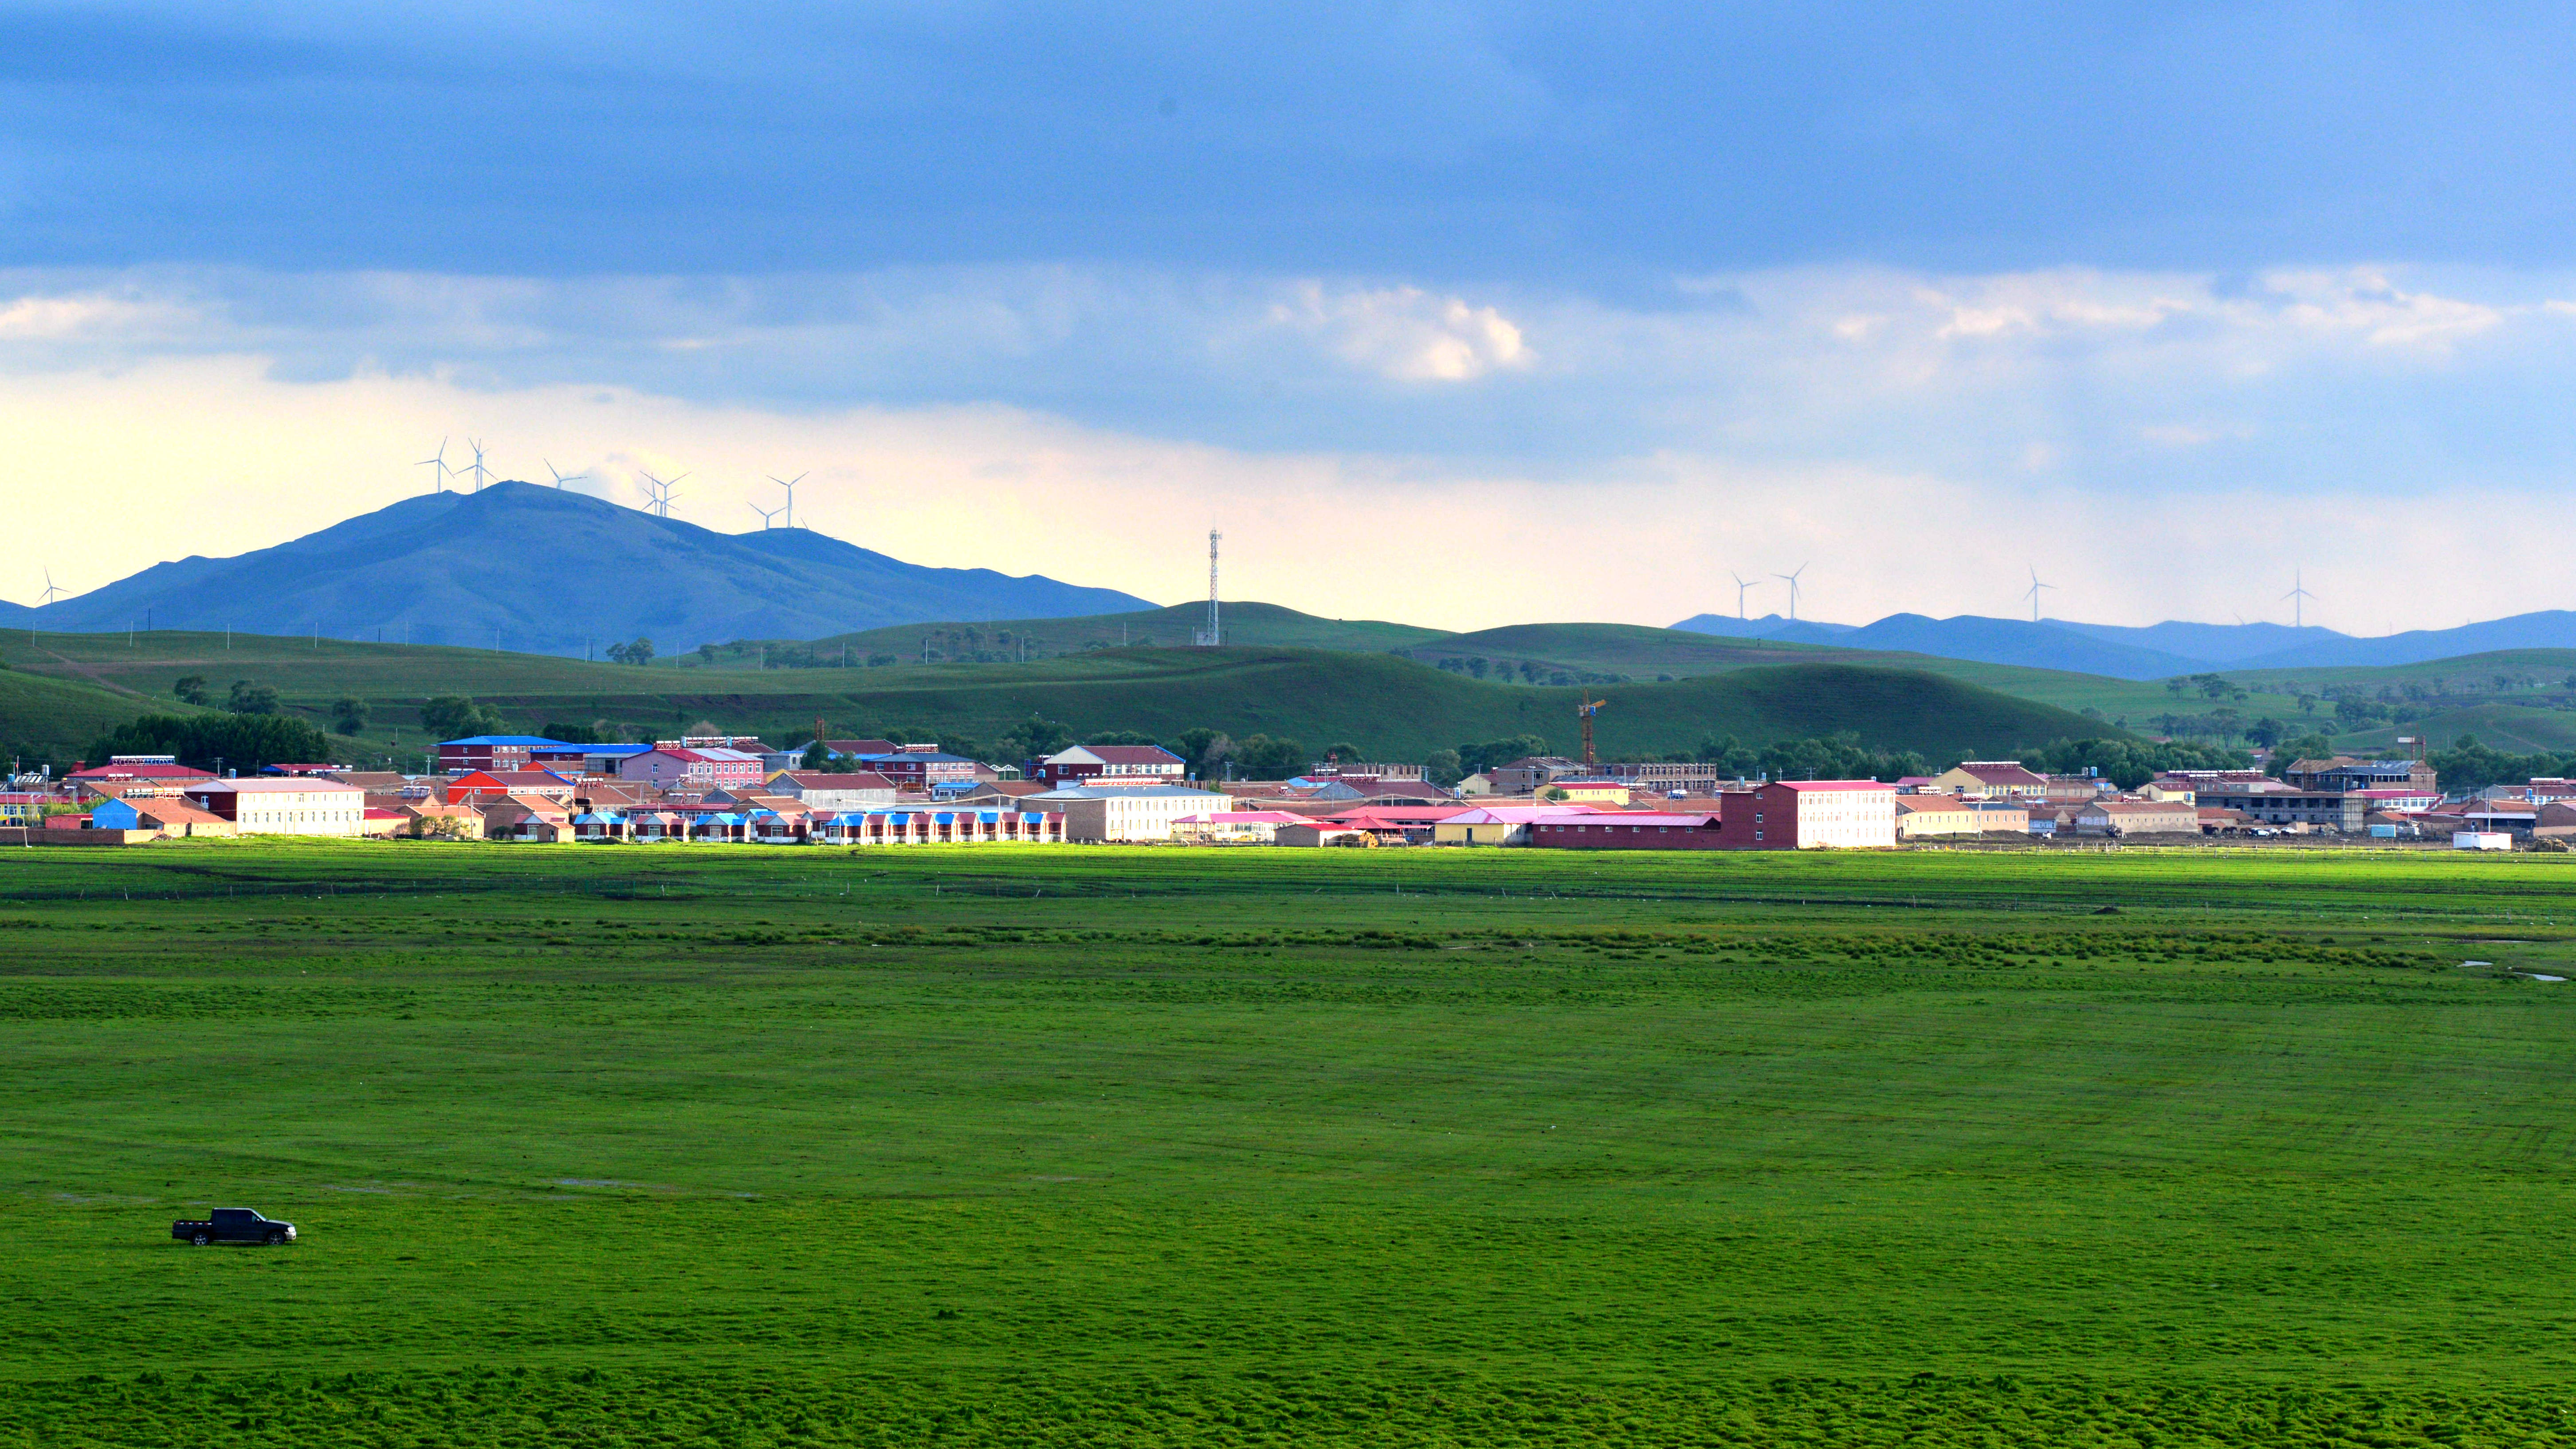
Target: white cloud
1851,412
1406,333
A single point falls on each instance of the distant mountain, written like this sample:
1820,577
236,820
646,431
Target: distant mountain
540,570
2547,629
2213,644
2156,652
2045,645
1769,626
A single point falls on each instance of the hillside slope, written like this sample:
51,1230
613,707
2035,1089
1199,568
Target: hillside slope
546,571
49,718
1247,624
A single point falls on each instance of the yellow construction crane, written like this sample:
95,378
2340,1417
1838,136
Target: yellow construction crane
1585,709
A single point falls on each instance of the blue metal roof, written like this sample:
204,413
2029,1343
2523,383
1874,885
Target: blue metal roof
504,740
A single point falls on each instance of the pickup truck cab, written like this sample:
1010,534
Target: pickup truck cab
233,1225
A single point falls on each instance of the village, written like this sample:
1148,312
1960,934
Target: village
732,789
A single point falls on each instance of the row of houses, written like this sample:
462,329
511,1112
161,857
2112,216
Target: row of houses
735,789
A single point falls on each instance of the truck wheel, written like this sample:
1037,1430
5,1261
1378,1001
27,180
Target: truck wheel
277,1239
202,1238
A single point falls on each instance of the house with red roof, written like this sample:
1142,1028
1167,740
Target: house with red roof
1110,765
139,776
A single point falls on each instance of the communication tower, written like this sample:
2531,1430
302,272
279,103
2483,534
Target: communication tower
1214,633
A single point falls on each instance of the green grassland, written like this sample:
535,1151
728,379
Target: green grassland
1159,1147
47,717
1316,680
1380,701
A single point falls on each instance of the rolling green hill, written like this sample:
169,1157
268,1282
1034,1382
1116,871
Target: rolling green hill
1000,641
50,719
1389,705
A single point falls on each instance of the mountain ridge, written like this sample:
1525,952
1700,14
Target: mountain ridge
542,570
2158,651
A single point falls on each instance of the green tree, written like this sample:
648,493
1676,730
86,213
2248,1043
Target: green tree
244,742
1344,751
191,689
348,714
1203,751
249,698
453,717
1119,737
1037,737
1259,757
817,756
572,734
1476,759
707,652
1444,768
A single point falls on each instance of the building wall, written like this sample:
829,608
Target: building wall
317,810
1607,833
1145,817
1957,820
1777,817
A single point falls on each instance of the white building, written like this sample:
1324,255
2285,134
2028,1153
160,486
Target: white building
298,805
1125,813
1811,815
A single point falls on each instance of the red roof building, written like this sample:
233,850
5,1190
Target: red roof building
1110,765
1629,830
139,779
492,785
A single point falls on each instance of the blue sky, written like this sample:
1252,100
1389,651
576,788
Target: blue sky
1784,277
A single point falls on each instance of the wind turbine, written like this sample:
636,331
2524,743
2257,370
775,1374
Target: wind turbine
1740,587
1792,577
766,514
438,480
2298,597
477,470
790,485
562,478
2033,595
660,488
51,588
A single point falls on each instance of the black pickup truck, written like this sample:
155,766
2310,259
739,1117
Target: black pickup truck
233,1225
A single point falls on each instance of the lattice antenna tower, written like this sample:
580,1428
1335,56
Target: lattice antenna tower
1214,633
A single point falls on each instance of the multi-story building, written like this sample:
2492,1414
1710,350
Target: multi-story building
2342,772
921,767
1989,780
2279,803
1811,815
283,807
710,768
491,752
1112,765
1665,777
1125,813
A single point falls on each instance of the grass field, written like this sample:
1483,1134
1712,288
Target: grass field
642,1147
